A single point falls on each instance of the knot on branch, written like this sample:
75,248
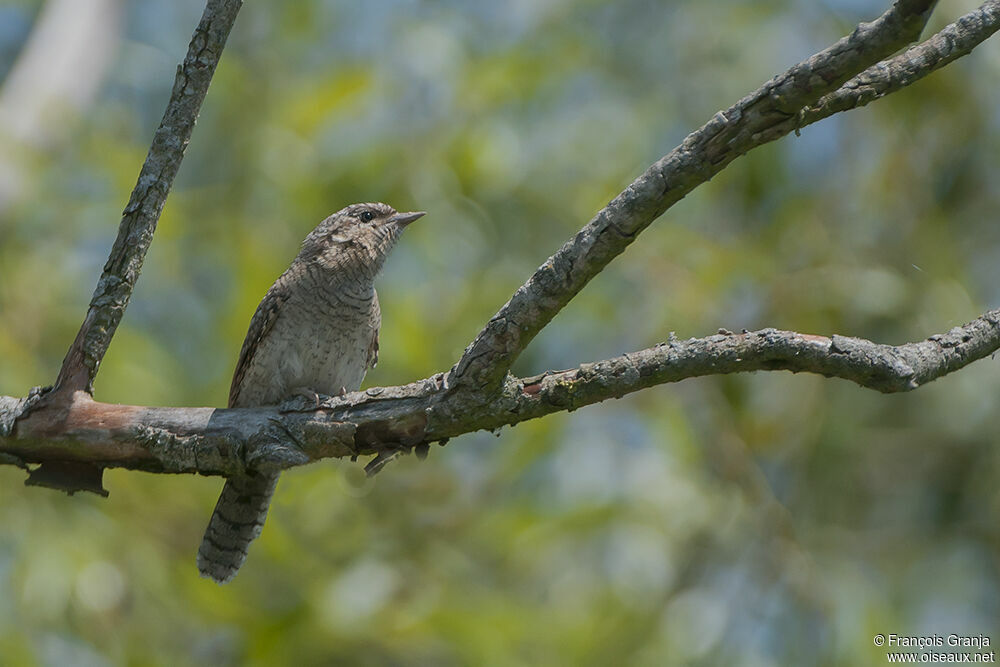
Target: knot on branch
882,367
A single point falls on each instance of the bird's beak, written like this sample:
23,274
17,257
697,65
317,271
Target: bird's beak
403,219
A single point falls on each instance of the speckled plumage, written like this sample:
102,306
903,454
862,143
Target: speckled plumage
316,330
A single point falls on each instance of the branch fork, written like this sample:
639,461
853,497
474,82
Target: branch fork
73,438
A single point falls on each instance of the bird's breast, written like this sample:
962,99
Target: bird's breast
330,349
320,343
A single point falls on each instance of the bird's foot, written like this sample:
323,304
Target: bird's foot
390,453
294,403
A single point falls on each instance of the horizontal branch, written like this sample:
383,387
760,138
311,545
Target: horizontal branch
76,433
388,420
135,232
764,115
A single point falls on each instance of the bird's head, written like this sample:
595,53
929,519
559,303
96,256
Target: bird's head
356,239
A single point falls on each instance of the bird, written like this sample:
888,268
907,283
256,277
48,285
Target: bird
315,332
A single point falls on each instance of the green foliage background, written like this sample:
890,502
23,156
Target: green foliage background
746,520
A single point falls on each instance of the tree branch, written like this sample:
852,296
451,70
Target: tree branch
764,115
135,232
478,393
388,420
953,42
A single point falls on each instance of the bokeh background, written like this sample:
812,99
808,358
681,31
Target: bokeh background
765,519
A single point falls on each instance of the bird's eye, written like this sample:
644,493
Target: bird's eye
366,216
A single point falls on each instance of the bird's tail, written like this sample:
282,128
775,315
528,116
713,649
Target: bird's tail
238,518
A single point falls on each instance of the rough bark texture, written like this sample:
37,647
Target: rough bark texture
955,41
135,232
478,393
764,115
385,421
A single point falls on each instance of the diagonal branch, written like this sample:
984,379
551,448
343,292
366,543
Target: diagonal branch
78,432
764,115
386,420
135,232
953,42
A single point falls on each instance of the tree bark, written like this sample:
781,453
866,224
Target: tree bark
72,436
385,421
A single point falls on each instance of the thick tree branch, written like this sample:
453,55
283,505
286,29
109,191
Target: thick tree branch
764,115
75,433
390,419
135,232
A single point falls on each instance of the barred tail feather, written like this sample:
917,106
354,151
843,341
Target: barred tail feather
238,518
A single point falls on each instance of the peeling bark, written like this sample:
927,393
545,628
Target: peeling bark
385,421
71,436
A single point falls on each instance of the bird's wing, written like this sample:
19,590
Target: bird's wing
260,324
376,323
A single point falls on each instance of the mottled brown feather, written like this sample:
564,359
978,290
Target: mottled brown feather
314,306
261,323
376,322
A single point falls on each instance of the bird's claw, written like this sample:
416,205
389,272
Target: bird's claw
294,402
381,460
